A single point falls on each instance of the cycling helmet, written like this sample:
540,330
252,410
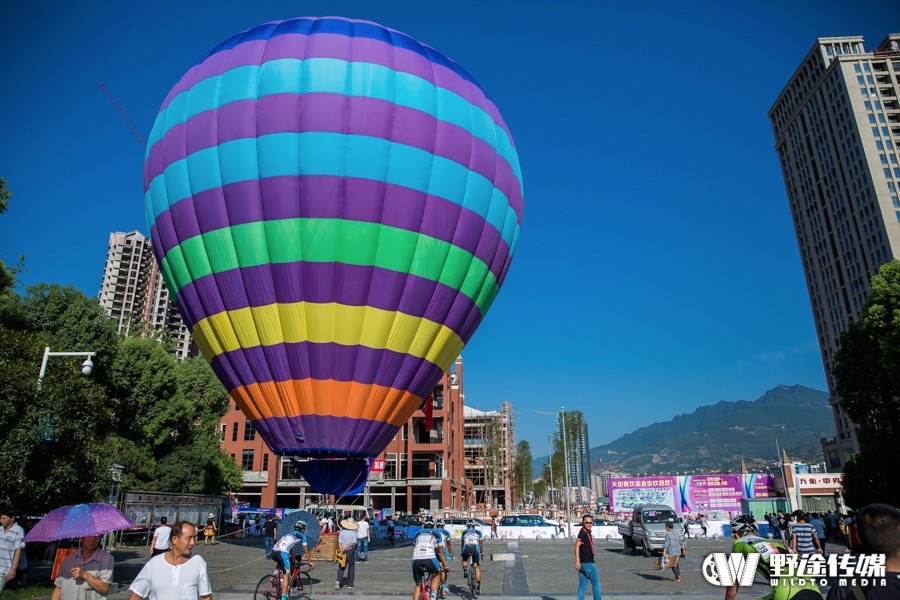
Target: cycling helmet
470,523
439,523
743,523
299,527
428,523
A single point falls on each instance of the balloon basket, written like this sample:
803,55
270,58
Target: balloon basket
328,543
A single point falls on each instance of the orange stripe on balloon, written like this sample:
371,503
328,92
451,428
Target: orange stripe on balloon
326,397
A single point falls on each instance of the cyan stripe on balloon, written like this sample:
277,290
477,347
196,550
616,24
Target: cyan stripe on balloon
318,153
329,75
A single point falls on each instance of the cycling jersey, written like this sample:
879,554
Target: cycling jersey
426,543
287,542
471,537
753,544
445,536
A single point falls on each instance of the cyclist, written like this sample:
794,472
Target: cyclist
747,541
389,530
446,537
428,555
284,555
472,543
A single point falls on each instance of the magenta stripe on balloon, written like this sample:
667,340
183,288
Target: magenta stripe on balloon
306,360
330,45
301,197
287,283
334,113
324,433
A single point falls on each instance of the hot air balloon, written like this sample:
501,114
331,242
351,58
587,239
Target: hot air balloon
334,206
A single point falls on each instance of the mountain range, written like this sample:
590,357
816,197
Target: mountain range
716,438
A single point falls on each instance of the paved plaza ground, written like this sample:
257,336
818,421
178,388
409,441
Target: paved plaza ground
537,569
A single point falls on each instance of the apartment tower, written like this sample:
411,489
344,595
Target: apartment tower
837,130
134,295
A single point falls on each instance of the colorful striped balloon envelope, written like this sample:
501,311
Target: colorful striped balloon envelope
334,206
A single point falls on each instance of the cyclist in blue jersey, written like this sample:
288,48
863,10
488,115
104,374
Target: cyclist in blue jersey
472,544
446,537
428,555
284,554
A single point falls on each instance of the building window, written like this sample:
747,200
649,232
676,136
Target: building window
249,431
247,460
265,466
222,433
234,432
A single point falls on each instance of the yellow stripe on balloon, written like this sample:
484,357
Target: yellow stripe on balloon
327,323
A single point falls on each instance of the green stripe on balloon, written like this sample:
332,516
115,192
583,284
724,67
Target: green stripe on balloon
331,240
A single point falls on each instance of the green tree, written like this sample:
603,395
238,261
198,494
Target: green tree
5,195
523,471
867,375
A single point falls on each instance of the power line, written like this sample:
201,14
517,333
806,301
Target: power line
125,117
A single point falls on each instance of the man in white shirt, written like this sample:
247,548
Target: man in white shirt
85,575
362,540
160,538
12,546
177,573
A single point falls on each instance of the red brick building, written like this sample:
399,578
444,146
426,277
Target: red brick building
423,469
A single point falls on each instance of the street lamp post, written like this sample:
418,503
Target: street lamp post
115,474
550,444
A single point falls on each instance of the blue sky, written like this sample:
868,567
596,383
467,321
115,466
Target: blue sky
657,269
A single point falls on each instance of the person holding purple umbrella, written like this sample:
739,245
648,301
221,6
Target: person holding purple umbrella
85,575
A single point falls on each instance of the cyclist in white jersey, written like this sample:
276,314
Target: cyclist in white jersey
284,554
472,546
428,555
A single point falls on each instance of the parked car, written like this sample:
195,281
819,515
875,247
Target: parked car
456,525
532,527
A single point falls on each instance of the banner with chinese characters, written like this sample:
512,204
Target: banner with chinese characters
760,485
627,492
707,493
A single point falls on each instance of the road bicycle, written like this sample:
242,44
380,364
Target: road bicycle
269,587
425,587
473,585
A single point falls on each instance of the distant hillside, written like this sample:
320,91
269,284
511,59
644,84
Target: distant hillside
718,436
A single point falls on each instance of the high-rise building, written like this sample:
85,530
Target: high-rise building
837,133
577,446
134,295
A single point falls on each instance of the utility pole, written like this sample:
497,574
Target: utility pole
562,412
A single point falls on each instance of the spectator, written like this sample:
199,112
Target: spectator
672,549
12,544
703,524
783,527
879,532
585,563
347,543
160,541
177,574
209,531
85,575
804,539
819,524
494,535
270,534
362,540
389,530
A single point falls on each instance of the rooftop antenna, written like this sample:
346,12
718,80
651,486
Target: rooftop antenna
124,115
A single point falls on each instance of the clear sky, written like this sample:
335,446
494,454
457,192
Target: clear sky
657,269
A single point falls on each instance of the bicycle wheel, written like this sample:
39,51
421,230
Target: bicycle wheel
268,588
472,583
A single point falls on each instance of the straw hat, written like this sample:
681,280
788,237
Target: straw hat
349,523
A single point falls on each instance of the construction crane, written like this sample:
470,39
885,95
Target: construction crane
131,124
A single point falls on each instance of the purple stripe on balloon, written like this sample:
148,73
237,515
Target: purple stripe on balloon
288,283
306,360
277,198
329,45
333,113
323,433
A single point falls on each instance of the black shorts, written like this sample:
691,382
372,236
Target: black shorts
429,564
472,553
